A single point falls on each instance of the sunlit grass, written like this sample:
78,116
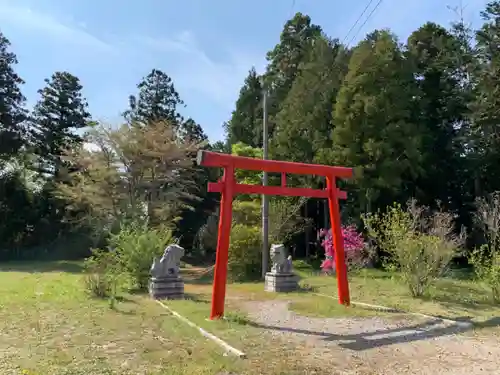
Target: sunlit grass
49,325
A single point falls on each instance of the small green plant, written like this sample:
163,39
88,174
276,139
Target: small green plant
136,246
237,317
245,253
102,274
420,244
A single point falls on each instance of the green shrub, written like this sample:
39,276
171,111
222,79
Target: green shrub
136,246
245,253
487,269
486,259
101,274
247,212
421,244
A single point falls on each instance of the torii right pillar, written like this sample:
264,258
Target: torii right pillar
338,242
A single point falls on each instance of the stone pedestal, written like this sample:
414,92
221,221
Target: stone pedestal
168,287
281,282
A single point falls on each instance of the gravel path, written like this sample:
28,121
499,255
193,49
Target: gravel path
373,346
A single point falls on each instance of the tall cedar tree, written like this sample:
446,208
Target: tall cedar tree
304,124
158,100
435,54
485,140
283,66
12,113
285,58
56,118
374,121
245,124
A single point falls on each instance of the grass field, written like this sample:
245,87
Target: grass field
48,325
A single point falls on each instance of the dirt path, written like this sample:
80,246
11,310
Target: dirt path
373,346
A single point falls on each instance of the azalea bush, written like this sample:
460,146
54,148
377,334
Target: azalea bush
354,248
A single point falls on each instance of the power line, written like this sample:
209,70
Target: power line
366,20
292,8
359,18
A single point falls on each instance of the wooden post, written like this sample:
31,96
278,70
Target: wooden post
220,273
338,242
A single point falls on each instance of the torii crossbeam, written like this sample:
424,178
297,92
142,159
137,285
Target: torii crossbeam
228,188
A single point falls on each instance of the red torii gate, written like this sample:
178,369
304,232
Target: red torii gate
228,187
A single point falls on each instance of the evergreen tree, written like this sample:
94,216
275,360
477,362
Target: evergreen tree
12,113
374,119
485,129
56,118
284,60
158,100
303,126
245,124
435,54
191,131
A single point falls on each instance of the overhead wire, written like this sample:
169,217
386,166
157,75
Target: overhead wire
366,20
355,23
292,8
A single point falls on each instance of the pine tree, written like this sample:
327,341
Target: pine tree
56,118
12,113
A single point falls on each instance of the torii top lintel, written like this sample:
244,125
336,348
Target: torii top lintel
216,159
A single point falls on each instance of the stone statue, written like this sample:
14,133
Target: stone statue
169,263
281,263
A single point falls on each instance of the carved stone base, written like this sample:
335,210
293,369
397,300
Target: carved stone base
170,287
281,282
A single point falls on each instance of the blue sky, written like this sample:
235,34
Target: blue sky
207,47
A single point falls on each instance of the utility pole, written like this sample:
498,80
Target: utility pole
265,198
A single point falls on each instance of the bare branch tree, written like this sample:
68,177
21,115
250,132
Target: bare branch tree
131,173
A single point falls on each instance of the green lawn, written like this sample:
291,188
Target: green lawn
49,325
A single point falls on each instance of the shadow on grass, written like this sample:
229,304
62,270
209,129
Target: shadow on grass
124,299
118,309
460,296
137,291
197,298
42,266
450,301
203,280
385,337
463,274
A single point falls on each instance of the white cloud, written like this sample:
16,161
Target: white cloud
194,69
19,16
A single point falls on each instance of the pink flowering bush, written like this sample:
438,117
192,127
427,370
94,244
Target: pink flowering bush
354,247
